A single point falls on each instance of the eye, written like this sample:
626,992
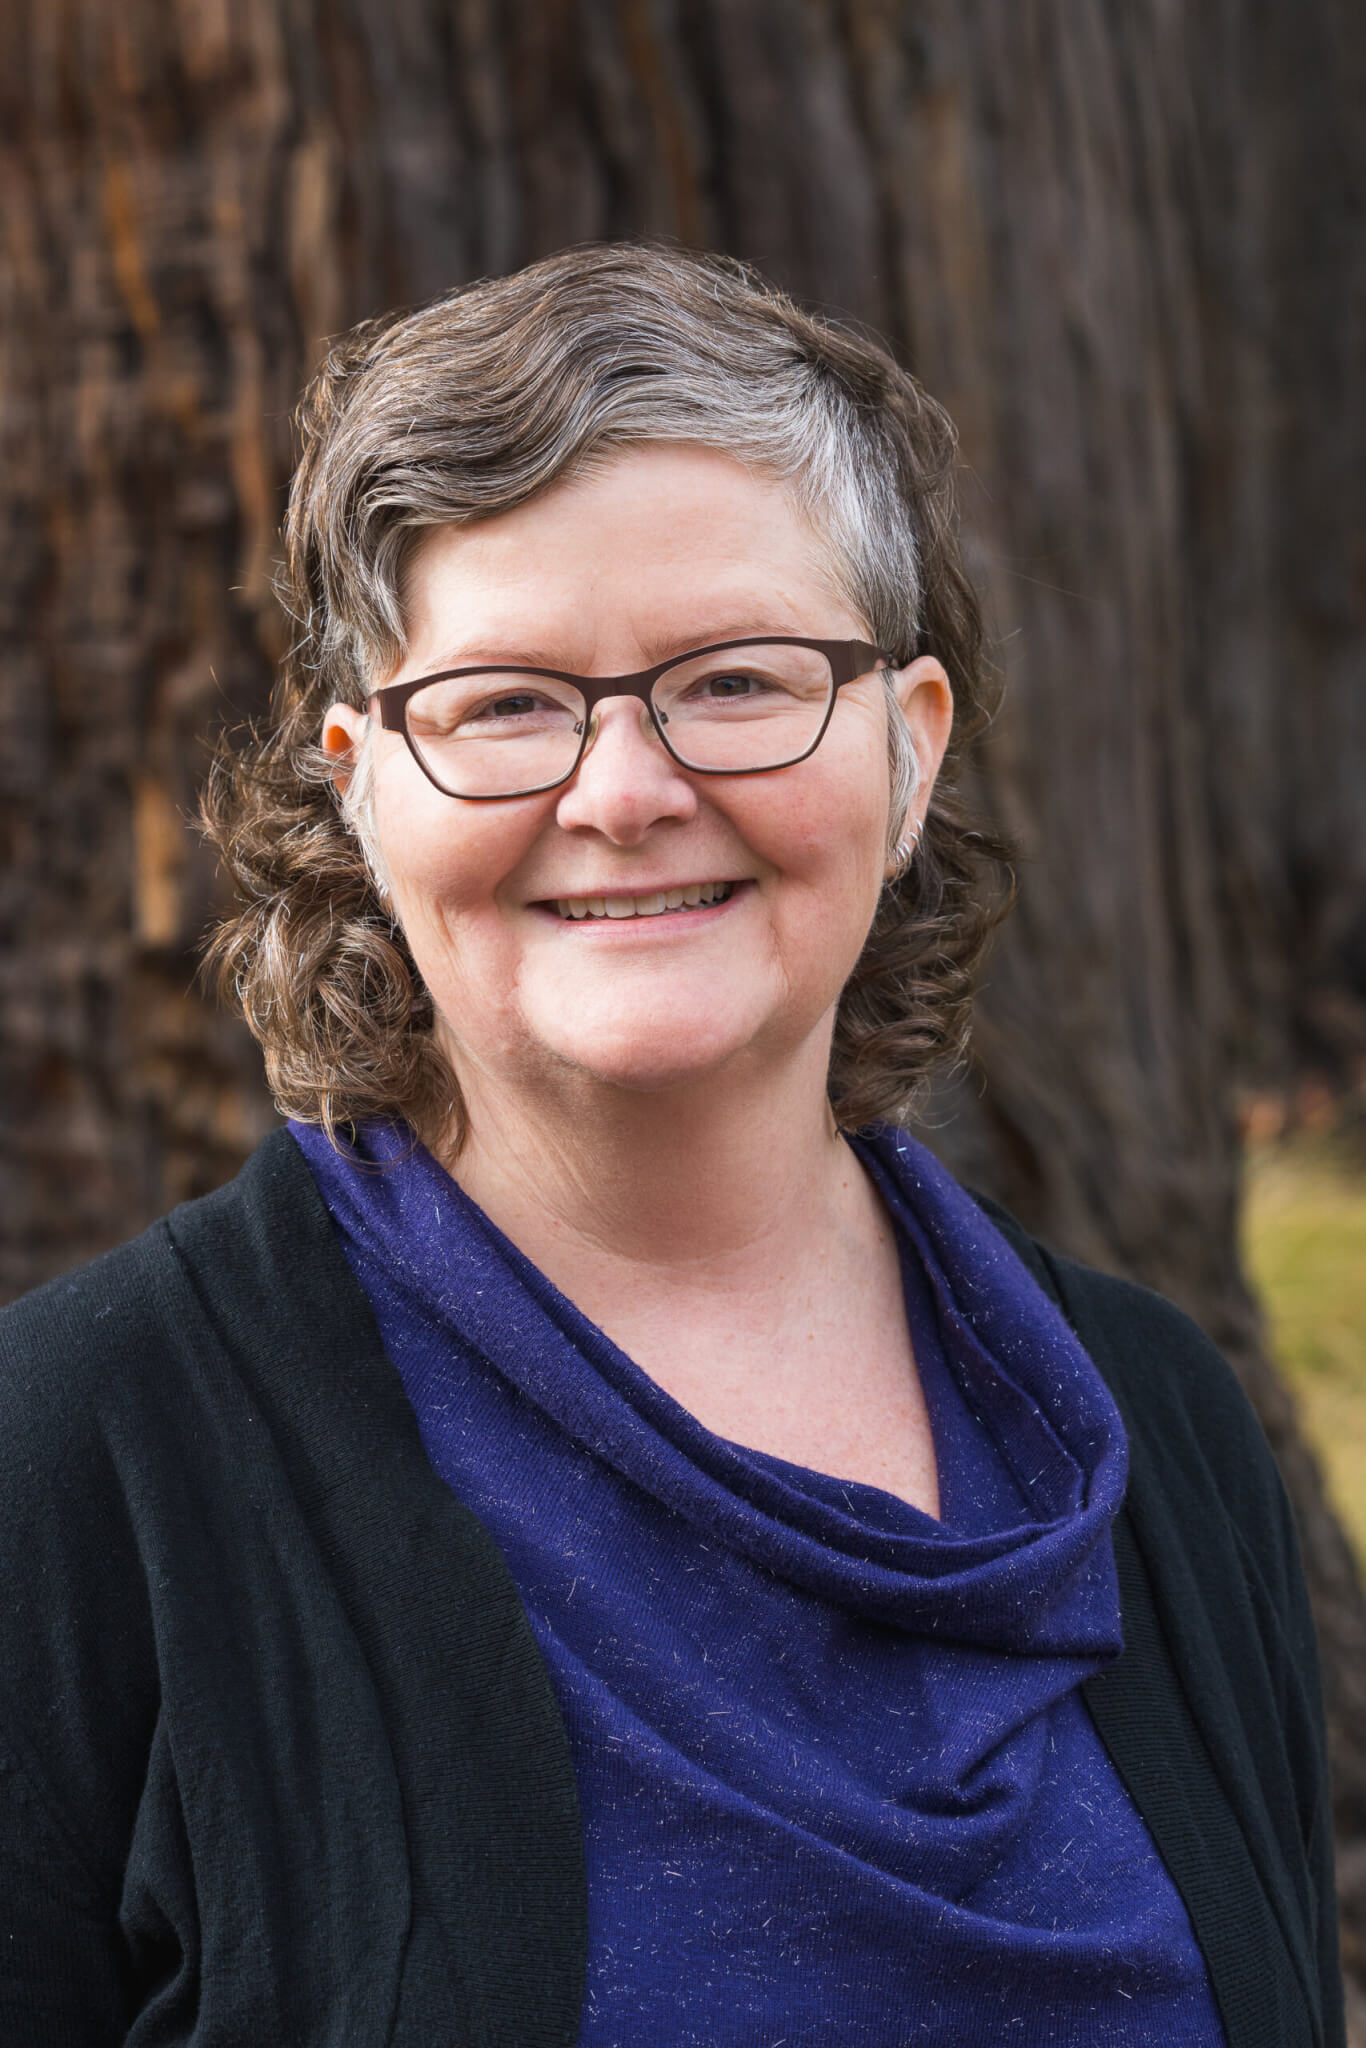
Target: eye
516,715
727,685
748,685
489,707
511,707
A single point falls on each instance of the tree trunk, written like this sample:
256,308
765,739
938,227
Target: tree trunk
1122,243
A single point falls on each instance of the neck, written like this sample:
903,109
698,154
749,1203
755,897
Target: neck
691,1182
727,1240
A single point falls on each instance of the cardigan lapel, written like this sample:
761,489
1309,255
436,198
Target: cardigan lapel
497,1944
1173,1783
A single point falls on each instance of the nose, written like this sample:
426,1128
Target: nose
627,780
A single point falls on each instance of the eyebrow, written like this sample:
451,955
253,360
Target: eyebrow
506,657
533,657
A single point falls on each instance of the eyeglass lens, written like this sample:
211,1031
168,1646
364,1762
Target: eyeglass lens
506,733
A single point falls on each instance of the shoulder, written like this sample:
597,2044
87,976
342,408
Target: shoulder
1182,1404
159,1489
92,1334
1205,1496
1177,1393
1205,1507
117,1400
83,1365
123,1382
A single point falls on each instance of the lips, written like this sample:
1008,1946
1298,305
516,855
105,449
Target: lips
691,896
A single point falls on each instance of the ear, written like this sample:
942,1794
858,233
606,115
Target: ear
342,734
922,690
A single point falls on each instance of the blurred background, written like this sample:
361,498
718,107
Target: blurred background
1123,240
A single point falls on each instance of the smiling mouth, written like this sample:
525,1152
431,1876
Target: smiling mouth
696,896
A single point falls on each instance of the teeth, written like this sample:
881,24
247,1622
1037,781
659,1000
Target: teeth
696,896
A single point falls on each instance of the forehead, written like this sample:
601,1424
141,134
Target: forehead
664,545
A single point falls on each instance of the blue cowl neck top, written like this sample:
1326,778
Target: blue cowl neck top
838,1782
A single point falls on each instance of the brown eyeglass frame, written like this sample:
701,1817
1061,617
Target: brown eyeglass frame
848,659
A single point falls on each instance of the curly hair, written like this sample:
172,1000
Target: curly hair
470,406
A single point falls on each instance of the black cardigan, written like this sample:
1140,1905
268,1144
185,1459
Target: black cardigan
280,1762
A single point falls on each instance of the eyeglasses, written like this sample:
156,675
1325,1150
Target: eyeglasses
740,707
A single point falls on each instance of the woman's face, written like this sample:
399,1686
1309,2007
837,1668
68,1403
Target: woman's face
661,550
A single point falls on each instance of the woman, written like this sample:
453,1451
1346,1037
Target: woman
594,1536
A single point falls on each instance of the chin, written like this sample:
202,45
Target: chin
642,1071
650,1062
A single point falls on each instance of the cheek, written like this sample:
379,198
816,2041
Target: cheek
446,860
826,833
827,842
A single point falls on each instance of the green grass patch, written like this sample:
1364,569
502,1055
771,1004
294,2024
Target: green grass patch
1305,1245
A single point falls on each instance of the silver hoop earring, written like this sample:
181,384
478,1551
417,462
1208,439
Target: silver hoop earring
903,854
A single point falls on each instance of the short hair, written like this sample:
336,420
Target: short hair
472,405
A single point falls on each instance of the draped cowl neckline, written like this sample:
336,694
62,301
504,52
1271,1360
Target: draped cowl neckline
834,1765
1043,1585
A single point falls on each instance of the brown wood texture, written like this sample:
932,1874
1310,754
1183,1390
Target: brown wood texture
1124,243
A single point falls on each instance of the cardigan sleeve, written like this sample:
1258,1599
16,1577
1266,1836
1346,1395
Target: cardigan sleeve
77,1668
63,1968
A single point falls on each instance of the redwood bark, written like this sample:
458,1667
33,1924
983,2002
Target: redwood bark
1122,243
